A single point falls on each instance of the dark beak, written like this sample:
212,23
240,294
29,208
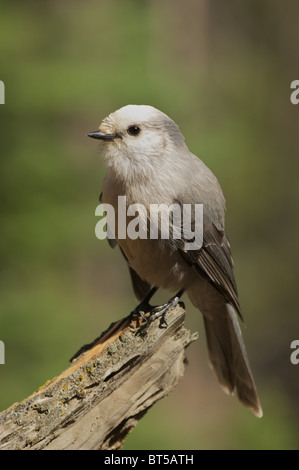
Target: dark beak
101,135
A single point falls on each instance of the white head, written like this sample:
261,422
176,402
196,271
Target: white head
138,139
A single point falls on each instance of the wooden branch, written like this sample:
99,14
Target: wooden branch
99,399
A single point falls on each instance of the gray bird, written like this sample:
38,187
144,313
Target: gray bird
149,163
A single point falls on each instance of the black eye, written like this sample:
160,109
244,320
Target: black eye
134,130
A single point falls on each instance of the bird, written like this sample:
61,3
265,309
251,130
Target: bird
148,162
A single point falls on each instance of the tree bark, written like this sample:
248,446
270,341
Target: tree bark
109,386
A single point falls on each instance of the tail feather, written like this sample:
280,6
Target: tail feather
229,359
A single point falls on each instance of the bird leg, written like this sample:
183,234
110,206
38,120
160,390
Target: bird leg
144,305
163,310
157,311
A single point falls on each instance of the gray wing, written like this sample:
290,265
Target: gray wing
213,260
141,288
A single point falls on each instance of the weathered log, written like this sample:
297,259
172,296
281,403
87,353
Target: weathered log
100,398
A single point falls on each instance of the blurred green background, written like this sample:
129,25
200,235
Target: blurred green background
222,71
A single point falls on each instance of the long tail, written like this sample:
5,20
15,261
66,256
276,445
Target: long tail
229,359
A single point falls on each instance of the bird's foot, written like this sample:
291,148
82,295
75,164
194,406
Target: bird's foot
142,311
149,313
163,310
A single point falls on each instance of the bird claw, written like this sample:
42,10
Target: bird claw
162,311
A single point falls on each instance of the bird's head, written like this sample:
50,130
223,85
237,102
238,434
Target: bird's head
138,138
